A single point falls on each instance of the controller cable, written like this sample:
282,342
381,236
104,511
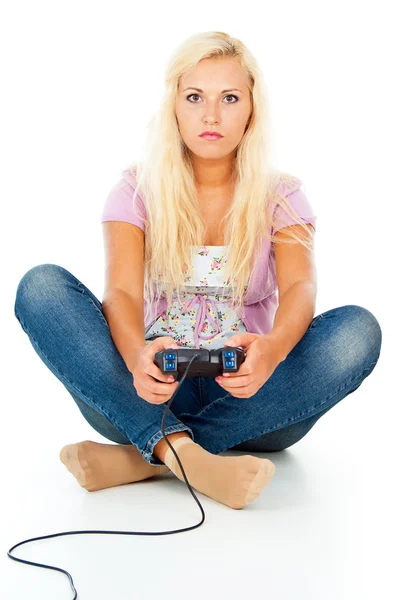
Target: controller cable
44,537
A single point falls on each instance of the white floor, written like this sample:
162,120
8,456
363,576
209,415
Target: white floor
327,527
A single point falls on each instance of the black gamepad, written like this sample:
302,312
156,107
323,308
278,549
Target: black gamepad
209,363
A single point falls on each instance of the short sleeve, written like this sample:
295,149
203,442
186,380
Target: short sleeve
119,203
299,202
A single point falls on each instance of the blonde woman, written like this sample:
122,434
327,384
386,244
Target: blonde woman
206,244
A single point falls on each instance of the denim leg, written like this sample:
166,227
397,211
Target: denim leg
103,426
98,422
282,438
67,329
337,352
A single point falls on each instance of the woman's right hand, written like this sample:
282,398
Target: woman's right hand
150,383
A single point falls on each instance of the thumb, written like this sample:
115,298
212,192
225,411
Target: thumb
164,342
169,342
241,340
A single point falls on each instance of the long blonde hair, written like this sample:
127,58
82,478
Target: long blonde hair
166,182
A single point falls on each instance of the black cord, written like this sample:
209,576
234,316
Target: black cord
44,537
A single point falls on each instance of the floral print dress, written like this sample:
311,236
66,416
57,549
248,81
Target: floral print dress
205,319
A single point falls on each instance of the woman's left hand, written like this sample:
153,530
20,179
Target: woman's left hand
260,363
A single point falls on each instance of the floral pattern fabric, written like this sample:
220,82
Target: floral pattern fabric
205,320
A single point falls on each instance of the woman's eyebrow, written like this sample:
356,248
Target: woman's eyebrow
223,91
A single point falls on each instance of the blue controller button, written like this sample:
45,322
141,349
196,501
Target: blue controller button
229,364
170,366
229,354
170,356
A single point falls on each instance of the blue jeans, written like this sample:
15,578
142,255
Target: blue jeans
66,327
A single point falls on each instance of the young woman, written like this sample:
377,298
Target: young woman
209,218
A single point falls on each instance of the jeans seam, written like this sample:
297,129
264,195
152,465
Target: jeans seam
315,320
84,293
202,391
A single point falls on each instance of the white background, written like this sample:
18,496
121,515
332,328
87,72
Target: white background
80,82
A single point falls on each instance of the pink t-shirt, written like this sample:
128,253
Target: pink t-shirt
261,298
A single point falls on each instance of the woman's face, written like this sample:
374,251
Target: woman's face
211,109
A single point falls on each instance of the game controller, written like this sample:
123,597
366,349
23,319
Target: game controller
208,363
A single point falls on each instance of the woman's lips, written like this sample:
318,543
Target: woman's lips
210,137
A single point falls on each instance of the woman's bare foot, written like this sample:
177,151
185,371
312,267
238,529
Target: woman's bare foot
98,466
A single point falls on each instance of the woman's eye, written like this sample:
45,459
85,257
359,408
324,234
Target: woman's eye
228,96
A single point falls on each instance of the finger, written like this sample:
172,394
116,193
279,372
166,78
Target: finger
233,389
232,381
154,371
160,388
156,376
236,392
